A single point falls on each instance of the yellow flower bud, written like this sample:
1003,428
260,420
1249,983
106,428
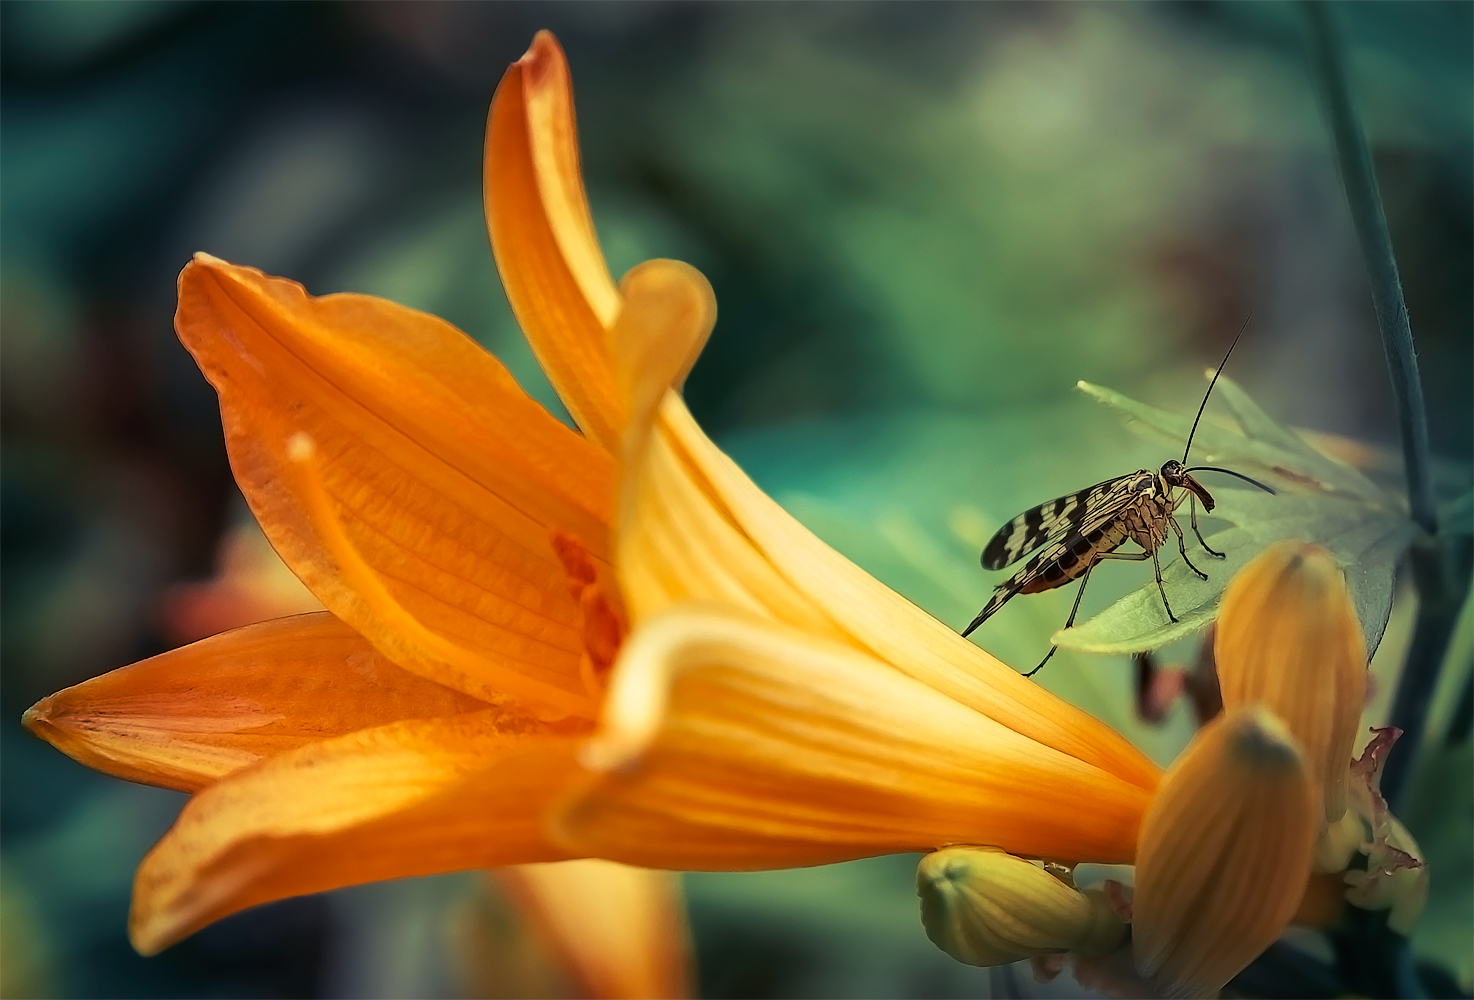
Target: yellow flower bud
985,907
1288,639
1224,854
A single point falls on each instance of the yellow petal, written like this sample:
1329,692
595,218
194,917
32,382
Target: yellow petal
442,476
1225,854
669,312
731,743
676,544
411,798
693,526
1288,639
620,931
543,238
189,717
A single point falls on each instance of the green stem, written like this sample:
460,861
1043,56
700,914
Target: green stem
1439,578
1376,247
1441,574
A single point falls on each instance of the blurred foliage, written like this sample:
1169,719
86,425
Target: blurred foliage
924,223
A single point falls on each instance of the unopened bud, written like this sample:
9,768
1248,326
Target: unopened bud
985,907
1288,639
1224,854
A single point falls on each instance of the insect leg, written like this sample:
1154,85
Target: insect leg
1192,506
1157,568
1068,622
1182,547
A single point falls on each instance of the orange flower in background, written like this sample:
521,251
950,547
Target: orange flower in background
542,645
251,584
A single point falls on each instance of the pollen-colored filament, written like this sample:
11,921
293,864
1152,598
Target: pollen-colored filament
360,576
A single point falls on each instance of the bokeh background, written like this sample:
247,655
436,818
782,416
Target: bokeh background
923,223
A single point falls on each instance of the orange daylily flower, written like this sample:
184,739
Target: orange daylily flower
542,645
584,928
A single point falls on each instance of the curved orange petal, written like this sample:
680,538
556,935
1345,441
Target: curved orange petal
543,237
432,464
676,544
188,717
620,931
1288,639
411,798
688,497
733,743
668,315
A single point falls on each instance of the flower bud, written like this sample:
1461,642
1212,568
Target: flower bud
1224,854
985,907
1288,639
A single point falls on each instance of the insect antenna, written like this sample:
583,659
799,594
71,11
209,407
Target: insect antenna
1204,404
1230,472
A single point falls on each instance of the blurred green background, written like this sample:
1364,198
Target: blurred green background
923,223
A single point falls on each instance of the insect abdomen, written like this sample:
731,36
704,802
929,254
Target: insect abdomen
1059,565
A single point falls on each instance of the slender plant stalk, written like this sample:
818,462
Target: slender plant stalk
1371,959
1439,572
1376,246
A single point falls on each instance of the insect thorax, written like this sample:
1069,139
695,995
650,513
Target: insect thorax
1145,521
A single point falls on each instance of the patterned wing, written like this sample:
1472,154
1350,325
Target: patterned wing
1057,518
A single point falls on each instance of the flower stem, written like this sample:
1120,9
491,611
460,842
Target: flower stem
1376,246
1438,571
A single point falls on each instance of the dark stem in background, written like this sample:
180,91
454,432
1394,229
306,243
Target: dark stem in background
1440,565
1372,960
1376,246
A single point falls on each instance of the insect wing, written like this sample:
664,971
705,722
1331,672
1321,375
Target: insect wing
1054,519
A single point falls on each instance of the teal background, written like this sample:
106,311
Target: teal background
923,222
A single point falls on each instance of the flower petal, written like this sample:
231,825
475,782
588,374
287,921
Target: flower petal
732,743
620,931
543,237
411,798
1288,639
434,466
691,498
669,313
1225,853
188,717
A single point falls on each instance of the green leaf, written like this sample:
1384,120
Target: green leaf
1253,445
1318,499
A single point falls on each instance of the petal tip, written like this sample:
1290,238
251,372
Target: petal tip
542,57
146,936
207,260
37,718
